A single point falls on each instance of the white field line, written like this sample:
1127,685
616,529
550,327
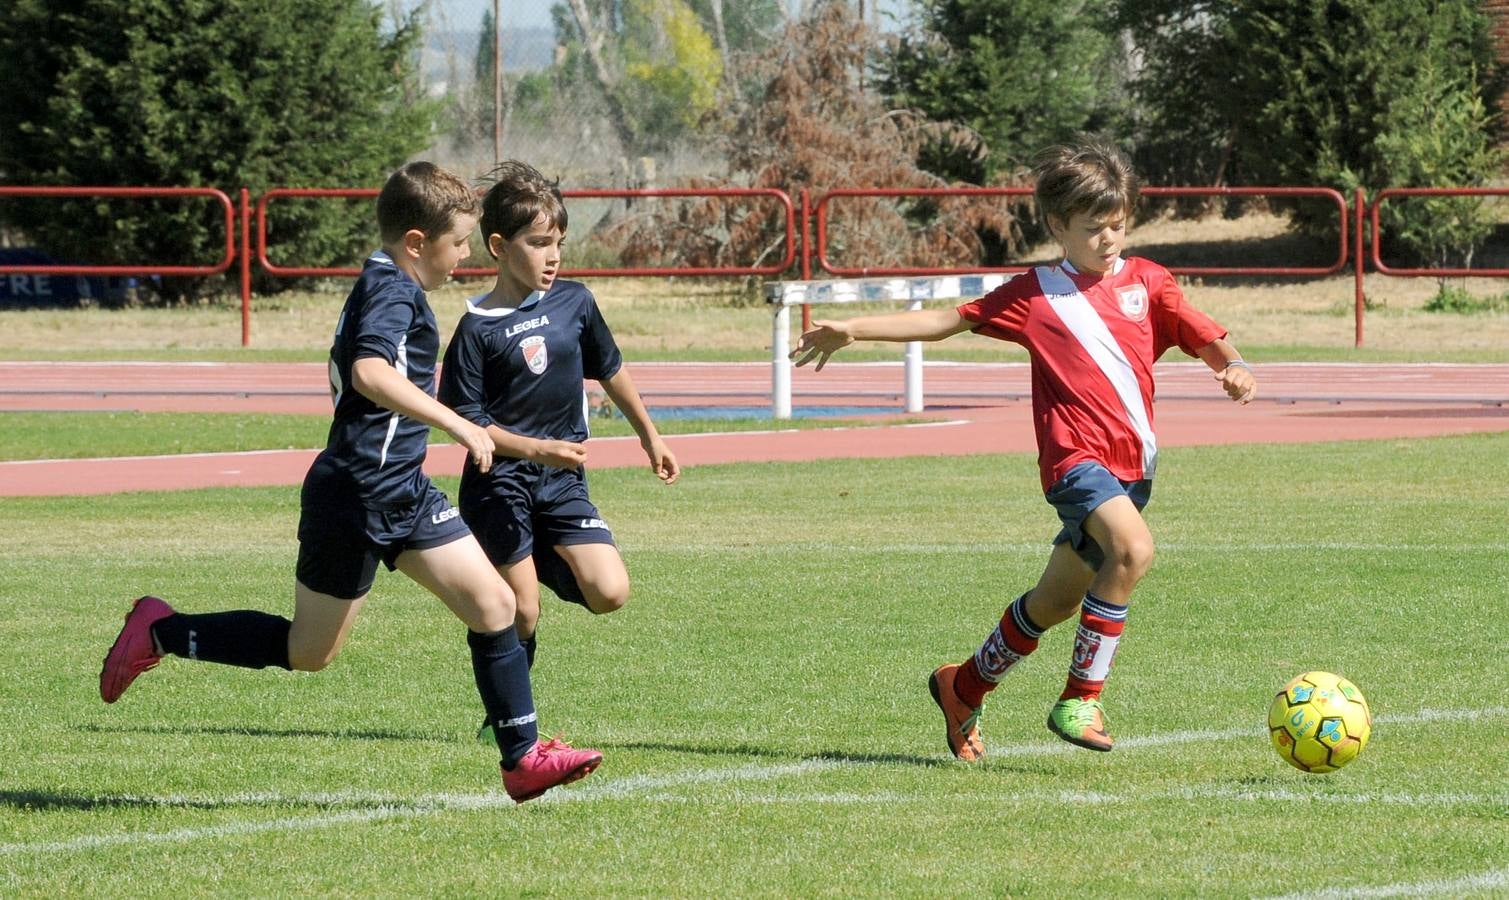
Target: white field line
1494,880
1098,798
393,807
662,788
1174,738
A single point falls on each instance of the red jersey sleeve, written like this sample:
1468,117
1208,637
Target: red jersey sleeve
1175,322
1003,313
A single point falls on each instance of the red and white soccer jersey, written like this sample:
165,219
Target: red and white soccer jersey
1093,341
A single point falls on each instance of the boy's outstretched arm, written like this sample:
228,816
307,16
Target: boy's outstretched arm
1235,376
828,337
620,389
545,451
379,382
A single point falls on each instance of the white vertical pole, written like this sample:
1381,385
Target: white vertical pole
913,369
780,363
497,83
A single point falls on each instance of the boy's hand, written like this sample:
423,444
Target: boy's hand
662,461
825,339
478,443
558,454
1238,382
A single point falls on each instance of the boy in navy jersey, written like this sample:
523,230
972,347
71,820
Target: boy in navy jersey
1094,325
366,498
515,367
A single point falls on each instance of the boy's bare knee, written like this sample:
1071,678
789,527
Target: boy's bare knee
607,597
1134,557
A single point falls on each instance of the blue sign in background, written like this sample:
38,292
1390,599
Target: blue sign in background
47,289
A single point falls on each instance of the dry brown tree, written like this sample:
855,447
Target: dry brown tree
813,123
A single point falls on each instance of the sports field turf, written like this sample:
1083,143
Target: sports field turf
762,702
88,435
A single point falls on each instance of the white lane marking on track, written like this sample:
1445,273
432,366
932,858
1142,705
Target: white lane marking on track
971,548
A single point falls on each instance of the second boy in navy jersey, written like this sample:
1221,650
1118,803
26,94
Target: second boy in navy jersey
515,366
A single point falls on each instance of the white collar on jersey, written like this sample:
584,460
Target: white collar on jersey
1115,270
474,309
381,258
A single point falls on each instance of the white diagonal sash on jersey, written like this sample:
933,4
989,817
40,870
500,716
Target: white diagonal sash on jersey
402,365
1074,309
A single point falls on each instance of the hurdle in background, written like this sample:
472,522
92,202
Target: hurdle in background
782,295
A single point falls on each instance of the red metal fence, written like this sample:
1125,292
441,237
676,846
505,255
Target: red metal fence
799,248
823,214
217,268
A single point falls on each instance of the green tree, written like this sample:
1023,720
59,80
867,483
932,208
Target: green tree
259,94
657,64
1020,73
1343,93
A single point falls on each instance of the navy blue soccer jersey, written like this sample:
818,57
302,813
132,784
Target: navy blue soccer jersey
385,316
522,368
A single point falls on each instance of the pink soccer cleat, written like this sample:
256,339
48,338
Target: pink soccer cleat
133,652
546,765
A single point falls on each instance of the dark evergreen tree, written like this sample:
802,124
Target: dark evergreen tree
1020,73
1343,93
259,94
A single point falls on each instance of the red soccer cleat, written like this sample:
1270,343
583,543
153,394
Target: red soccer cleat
133,652
961,721
546,765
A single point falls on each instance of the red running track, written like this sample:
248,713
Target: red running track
976,408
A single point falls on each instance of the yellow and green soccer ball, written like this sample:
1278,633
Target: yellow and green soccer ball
1319,722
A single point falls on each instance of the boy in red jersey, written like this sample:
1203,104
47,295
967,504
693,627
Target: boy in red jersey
1094,324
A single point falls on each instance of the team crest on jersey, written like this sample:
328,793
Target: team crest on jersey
1133,302
533,348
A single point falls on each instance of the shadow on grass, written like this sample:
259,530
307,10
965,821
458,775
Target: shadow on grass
697,749
52,801
858,758
373,734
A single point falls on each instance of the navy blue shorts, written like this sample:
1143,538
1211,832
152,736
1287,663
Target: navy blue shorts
342,539
1079,492
530,505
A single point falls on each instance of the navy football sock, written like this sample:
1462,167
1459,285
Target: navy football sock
245,638
502,671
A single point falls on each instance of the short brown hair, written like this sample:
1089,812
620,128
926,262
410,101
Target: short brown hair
519,195
422,197
1084,177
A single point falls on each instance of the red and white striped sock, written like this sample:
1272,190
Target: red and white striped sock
1010,641
1100,627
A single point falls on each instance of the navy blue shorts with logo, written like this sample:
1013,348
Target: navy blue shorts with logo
1079,492
532,505
341,539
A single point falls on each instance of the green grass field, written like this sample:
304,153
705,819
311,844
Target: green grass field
88,435
762,702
